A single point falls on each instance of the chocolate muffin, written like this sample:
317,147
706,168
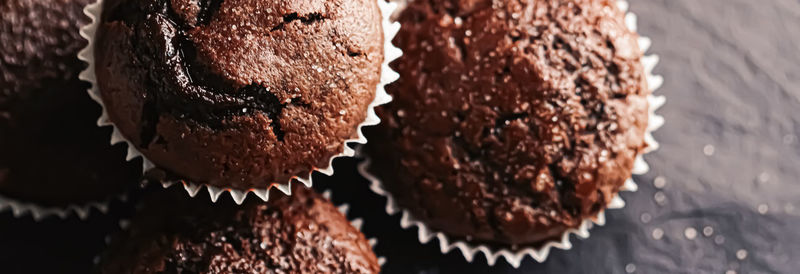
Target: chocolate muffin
303,233
51,150
512,121
238,93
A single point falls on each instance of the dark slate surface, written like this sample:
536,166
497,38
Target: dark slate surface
726,198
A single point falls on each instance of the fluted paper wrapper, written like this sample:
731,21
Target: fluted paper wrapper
538,253
38,212
391,53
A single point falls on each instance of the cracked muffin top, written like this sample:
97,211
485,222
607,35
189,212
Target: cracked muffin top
303,233
51,151
238,93
512,121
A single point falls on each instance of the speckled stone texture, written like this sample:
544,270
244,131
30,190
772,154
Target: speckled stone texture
239,93
303,233
51,150
512,121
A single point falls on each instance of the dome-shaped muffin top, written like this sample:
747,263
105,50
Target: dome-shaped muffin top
512,120
238,93
51,150
302,233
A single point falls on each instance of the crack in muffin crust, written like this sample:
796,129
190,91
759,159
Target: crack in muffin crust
178,83
242,92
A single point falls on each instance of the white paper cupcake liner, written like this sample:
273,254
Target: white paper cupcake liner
391,53
344,208
38,212
515,257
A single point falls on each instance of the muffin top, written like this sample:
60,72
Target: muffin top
238,93
512,120
303,233
51,150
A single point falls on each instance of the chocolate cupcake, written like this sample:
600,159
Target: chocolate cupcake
513,121
51,152
303,233
238,94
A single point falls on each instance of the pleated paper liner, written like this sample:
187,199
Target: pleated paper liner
391,53
539,253
38,212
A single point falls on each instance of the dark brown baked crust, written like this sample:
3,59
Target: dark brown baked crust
51,150
239,93
303,233
512,120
